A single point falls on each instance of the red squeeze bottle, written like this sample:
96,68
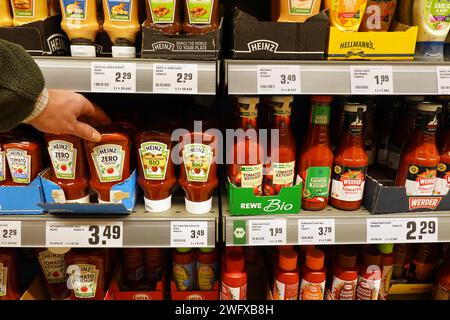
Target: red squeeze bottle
285,285
345,276
234,278
314,276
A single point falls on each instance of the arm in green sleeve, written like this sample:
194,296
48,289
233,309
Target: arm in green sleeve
21,86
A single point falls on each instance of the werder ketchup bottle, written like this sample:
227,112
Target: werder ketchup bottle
442,185
420,158
350,162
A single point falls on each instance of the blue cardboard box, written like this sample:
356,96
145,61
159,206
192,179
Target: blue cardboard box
22,199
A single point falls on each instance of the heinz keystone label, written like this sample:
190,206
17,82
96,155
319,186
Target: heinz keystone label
64,159
109,160
83,278
19,163
154,159
197,159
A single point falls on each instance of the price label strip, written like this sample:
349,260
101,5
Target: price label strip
114,77
188,234
402,230
371,80
175,78
83,234
267,232
443,80
278,79
316,231
10,234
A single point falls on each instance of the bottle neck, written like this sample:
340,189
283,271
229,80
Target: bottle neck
426,126
353,128
319,132
248,116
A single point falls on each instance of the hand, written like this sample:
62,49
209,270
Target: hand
62,114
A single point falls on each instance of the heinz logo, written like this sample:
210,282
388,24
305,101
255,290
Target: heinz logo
58,44
163,45
424,203
262,45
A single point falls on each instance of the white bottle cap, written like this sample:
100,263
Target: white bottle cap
82,51
123,52
248,100
158,205
428,106
353,107
202,207
81,200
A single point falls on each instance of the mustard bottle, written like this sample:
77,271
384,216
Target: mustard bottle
346,15
5,14
26,11
122,26
79,22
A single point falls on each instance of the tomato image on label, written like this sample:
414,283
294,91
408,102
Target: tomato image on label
53,266
19,163
420,180
109,161
348,183
197,159
442,184
83,278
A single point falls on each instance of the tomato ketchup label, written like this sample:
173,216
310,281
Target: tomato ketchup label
317,183
154,159
83,278
283,173
420,180
109,160
348,183
233,293
53,266
311,291
19,163
2,166
283,291
64,159
119,10
3,280
200,11
251,176
23,8
342,289
163,11
74,9
442,184
197,159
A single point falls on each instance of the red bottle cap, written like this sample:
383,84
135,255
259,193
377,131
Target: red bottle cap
322,98
288,260
234,262
315,259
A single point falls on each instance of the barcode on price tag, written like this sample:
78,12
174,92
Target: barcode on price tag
267,232
175,78
188,234
10,234
278,79
443,80
83,234
114,77
371,80
402,230
316,231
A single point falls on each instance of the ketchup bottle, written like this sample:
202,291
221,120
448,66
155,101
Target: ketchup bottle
442,185
345,276
350,162
441,290
285,286
9,281
24,161
234,277
314,274
133,271
369,279
154,265
53,273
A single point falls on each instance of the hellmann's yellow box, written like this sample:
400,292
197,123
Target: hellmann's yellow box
398,45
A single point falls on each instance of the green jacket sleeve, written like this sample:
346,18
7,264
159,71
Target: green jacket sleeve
21,83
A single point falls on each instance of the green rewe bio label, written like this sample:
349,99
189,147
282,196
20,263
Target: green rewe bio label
317,183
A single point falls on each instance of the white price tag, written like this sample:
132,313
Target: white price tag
10,234
117,77
175,78
188,234
278,79
267,232
443,80
402,230
84,234
316,231
371,80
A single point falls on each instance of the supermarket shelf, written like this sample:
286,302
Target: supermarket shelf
350,226
333,77
75,73
140,228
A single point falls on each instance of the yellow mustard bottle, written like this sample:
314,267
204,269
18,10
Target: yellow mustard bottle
294,10
122,26
5,14
26,11
346,15
79,22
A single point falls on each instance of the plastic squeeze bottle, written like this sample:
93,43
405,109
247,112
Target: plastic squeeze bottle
206,268
387,266
369,279
314,274
345,277
234,278
183,268
285,284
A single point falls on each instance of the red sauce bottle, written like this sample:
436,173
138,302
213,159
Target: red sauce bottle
9,280
314,274
369,279
441,290
420,158
350,162
285,286
24,161
69,169
442,185
156,170
201,16
133,263
345,276
234,277
423,265
164,16
283,154
5,175
154,265
316,157
53,273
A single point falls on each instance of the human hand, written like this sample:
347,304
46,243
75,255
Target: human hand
62,114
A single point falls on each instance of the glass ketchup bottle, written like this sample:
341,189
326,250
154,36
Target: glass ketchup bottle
350,161
420,158
156,170
198,172
164,16
246,171
316,157
282,166
69,169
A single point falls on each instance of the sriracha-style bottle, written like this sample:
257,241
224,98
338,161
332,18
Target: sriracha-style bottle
234,277
420,158
345,277
316,156
350,162
314,274
282,154
285,285
369,279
